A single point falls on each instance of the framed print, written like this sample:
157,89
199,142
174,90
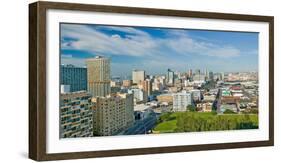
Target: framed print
112,81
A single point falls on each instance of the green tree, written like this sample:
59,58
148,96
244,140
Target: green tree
228,111
191,108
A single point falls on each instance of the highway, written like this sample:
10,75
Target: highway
142,126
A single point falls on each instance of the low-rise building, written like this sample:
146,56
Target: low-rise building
229,103
127,83
165,98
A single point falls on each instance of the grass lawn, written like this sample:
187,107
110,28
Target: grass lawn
168,122
166,127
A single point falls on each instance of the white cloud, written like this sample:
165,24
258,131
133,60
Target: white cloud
139,43
80,62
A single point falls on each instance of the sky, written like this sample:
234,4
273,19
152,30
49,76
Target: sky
157,49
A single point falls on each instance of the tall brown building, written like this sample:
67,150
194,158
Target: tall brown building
112,114
147,86
98,76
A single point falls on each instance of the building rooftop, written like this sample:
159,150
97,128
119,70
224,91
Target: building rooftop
74,94
142,107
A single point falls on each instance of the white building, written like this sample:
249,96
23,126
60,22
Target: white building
181,101
139,95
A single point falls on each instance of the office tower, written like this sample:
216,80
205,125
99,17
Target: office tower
75,77
222,76
98,74
112,114
181,100
138,76
211,75
147,86
170,77
190,73
206,74
76,119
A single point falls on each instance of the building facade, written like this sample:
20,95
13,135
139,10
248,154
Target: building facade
129,108
147,86
76,119
138,76
112,114
75,77
196,95
181,100
140,96
170,77
127,83
98,74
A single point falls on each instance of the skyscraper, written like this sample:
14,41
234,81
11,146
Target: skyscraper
138,76
190,73
98,74
170,77
211,75
206,74
222,76
147,86
74,77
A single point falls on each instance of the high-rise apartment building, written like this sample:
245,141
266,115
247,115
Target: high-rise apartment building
181,100
112,114
129,108
98,74
76,119
75,77
138,76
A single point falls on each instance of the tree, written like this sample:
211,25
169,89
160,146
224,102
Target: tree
228,111
191,108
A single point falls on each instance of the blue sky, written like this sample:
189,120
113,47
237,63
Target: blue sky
157,49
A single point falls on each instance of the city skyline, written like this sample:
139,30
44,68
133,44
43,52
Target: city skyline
149,49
